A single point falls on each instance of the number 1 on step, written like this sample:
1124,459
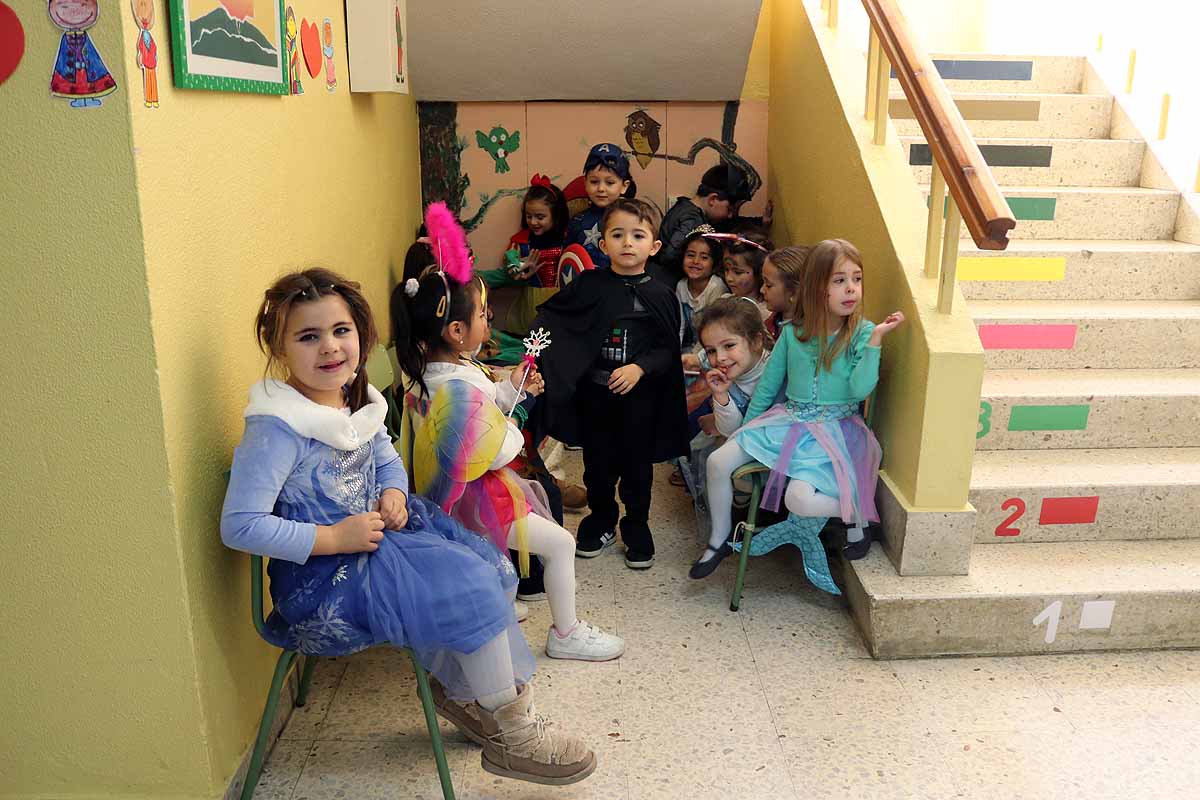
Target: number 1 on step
1050,615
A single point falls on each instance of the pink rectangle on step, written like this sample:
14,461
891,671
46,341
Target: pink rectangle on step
1027,337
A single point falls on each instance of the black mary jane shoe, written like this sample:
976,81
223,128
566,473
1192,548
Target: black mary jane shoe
853,551
702,569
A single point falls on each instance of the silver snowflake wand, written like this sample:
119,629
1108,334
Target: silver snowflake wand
535,343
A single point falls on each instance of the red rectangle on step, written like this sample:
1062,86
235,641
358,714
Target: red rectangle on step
1027,337
1069,510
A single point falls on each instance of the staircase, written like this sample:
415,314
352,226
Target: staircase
1086,477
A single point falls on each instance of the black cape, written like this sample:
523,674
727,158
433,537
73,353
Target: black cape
578,317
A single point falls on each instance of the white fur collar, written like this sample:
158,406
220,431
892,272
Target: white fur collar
274,398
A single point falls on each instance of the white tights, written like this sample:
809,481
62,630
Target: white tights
483,667
800,497
556,546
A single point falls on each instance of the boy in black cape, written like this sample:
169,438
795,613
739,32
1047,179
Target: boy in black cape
613,381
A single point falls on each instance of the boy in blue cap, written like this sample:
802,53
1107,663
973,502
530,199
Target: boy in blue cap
606,177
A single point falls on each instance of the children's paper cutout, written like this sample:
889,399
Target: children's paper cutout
12,42
147,50
310,40
79,73
641,134
399,44
327,52
499,143
292,37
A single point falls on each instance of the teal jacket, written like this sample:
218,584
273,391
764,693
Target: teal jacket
793,366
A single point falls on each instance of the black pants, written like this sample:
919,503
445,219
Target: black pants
612,462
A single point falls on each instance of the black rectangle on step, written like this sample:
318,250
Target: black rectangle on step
996,155
956,70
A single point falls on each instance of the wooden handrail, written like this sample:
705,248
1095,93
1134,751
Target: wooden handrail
968,177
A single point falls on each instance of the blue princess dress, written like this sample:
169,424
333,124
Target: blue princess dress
434,586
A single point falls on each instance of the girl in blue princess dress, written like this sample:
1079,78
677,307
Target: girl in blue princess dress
824,459
355,560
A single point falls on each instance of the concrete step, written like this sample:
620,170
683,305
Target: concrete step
1085,495
1052,597
1090,212
1064,116
1088,334
1088,269
1046,162
1055,409
1008,74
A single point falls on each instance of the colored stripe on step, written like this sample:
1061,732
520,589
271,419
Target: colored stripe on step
1049,418
1069,510
972,70
996,155
1009,110
1027,208
1012,268
1027,337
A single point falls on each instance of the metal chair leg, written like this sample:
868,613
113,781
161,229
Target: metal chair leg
748,534
306,676
435,733
254,771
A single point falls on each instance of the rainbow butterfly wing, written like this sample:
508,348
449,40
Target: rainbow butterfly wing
463,432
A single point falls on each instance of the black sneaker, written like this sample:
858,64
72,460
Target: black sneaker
636,560
592,546
532,589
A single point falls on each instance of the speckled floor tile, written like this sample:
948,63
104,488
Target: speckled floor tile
306,720
869,761
815,696
377,700
1099,765
1116,689
380,770
979,694
282,770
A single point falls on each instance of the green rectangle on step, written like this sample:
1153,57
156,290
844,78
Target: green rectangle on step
1028,208
996,155
1049,418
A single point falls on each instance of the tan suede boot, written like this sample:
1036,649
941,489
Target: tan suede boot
520,746
464,716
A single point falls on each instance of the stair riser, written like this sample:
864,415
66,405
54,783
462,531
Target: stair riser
1089,215
1051,74
1087,275
1073,163
1062,514
1102,344
919,628
1089,422
1055,116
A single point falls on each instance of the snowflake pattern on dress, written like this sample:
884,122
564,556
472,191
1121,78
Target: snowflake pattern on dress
325,630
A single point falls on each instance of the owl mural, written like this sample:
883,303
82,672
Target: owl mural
641,133
499,143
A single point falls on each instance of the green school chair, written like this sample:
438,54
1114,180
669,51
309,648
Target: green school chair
286,659
757,474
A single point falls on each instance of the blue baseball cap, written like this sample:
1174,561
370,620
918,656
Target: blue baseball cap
607,155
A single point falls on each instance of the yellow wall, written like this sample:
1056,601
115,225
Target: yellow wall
757,85
136,671
99,696
829,180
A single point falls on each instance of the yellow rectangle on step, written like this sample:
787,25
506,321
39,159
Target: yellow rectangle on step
1012,268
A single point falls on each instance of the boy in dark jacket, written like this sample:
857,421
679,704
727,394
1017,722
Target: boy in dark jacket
613,382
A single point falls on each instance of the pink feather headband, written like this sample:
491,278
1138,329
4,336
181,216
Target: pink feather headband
448,242
733,237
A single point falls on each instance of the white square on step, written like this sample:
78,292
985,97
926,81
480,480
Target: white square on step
1096,615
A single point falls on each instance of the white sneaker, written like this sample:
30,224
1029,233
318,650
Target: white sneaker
522,610
586,643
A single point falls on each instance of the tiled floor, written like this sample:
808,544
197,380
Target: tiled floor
780,700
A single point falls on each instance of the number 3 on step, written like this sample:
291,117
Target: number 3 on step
1018,509
985,419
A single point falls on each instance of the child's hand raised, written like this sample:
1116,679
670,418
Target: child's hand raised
718,382
534,383
893,321
623,379
529,265
393,507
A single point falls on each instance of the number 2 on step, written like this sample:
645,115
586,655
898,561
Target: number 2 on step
1018,509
